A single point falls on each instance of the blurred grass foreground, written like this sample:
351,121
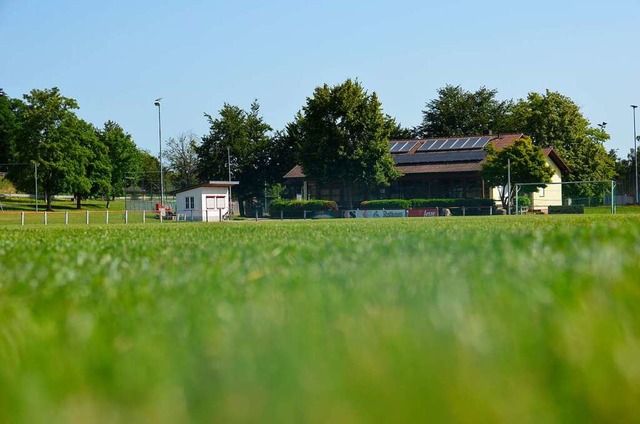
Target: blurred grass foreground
502,319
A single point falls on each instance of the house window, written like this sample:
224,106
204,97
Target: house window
189,202
541,192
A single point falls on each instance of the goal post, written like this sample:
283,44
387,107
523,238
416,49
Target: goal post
609,184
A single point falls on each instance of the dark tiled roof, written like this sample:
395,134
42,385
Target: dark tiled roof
439,168
452,161
296,172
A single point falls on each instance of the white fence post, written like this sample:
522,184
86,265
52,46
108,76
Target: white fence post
144,216
87,217
66,217
126,217
22,218
45,217
106,217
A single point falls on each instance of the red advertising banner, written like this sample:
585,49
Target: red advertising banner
423,212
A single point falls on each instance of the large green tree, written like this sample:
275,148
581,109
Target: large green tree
51,136
342,135
458,112
9,125
528,164
182,157
240,139
92,167
123,154
554,120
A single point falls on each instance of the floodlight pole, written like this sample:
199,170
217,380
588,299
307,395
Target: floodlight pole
35,166
635,149
157,103
229,169
509,186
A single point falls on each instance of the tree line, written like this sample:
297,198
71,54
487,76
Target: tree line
339,134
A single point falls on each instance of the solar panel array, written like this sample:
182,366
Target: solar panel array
403,146
465,143
440,157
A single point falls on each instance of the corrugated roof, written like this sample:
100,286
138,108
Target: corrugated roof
207,184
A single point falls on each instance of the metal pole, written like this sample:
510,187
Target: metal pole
35,164
635,148
229,169
613,207
509,186
157,103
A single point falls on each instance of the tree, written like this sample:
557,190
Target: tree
625,172
398,132
9,125
457,112
181,153
123,156
50,135
554,120
241,138
342,135
92,174
146,176
528,164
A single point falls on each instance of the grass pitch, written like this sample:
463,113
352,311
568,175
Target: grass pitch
492,319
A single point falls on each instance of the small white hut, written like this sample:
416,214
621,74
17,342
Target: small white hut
204,202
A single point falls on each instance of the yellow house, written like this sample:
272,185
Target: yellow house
551,195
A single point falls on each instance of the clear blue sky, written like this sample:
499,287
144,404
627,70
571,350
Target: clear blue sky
116,57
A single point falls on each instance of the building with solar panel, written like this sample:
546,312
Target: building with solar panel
436,168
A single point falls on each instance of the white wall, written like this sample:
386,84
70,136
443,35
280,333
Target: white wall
552,194
204,210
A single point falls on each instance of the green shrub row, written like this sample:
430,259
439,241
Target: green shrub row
285,205
566,209
424,203
385,204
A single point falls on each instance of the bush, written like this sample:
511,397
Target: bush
524,201
450,203
284,205
425,203
579,209
385,204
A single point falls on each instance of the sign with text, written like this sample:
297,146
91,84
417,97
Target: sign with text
423,212
380,213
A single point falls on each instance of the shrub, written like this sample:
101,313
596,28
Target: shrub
284,205
450,203
579,209
524,201
385,204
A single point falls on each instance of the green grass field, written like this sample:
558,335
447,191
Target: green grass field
490,319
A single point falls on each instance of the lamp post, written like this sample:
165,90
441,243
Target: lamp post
157,103
35,178
635,148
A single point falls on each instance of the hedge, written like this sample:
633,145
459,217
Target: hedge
385,204
450,203
425,203
566,209
284,205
